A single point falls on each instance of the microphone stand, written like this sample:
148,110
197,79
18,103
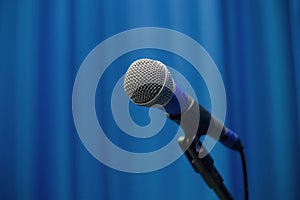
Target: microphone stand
204,165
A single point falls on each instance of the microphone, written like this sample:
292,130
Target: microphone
149,83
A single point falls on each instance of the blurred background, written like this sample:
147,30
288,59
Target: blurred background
255,45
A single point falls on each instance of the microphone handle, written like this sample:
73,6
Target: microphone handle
197,116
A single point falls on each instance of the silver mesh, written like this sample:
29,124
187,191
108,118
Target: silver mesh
148,82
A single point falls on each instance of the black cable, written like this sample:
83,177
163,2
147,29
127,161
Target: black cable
245,174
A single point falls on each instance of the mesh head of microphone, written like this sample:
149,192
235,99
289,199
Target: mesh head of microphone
148,82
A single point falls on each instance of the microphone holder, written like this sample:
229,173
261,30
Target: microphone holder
204,165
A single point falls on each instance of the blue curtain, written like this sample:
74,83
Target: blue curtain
255,45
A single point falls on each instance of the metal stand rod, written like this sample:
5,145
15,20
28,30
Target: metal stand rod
204,166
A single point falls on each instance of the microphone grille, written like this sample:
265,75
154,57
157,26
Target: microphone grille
148,82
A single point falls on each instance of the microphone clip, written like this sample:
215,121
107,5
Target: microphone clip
204,165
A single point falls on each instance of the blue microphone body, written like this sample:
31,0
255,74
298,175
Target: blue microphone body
182,104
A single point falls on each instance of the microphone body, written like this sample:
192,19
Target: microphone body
182,106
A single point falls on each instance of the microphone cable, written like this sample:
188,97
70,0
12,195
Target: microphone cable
245,175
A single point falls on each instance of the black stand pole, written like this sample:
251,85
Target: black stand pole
204,166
